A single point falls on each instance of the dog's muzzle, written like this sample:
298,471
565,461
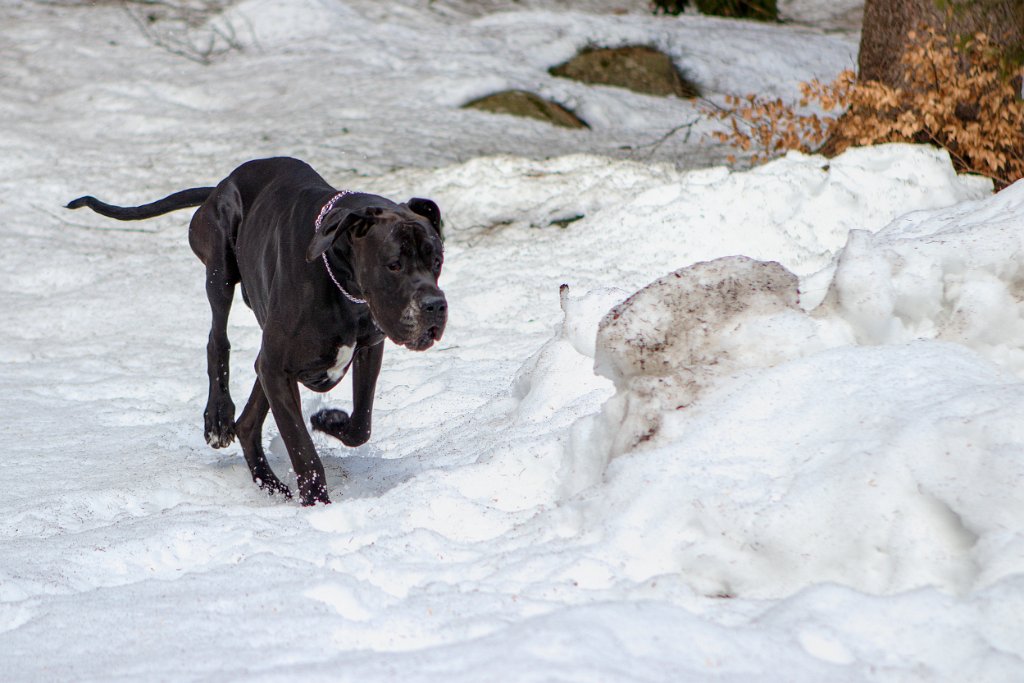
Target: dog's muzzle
433,315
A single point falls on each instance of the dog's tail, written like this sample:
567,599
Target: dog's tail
178,200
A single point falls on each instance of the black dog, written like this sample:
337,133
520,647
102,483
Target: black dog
328,275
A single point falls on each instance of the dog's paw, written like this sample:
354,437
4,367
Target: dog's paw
220,438
312,492
274,486
338,424
314,498
330,421
219,424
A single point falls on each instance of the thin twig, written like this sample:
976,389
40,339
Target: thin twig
655,144
189,18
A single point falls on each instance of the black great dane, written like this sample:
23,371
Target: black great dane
328,274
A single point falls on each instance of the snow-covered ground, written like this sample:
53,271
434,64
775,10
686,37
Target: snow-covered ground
801,459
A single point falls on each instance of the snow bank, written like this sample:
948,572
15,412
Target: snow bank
798,210
956,274
846,430
720,55
832,468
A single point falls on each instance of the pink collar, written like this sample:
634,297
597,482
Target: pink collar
316,228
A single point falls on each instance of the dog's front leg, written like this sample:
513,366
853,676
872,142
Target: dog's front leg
283,395
355,430
250,434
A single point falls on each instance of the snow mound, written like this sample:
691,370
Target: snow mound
558,382
955,274
896,479
918,278
859,416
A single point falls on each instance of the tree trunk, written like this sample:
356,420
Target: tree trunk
886,23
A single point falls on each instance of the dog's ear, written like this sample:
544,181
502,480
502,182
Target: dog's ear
335,225
370,215
429,210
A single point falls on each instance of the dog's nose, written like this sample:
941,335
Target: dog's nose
435,305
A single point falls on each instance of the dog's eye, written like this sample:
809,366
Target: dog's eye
395,266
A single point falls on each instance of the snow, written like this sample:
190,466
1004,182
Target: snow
686,422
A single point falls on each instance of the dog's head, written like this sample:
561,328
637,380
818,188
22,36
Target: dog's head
396,258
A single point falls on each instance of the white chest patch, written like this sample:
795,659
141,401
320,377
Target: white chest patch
340,367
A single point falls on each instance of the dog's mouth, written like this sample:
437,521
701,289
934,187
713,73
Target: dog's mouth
425,340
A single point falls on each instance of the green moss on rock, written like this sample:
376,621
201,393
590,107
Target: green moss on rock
637,67
529,105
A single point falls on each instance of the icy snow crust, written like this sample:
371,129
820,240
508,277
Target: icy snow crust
799,458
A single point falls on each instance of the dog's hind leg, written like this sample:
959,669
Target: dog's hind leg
250,435
209,236
219,416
